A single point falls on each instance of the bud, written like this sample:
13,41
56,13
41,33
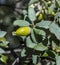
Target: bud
53,13
40,17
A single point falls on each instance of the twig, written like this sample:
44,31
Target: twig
16,60
15,50
48,58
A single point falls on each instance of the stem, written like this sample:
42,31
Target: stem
25,17
16,60
9,52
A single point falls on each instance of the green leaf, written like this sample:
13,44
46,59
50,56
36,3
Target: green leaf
54,45
29,43
52,7
4,44
40,32
50,63
2,39
57,15
32,1
1,51
55,30
40,47
44,24
3,59
58,60
58,49
31,14
23,53
45,54
21,23
2,33
58,1
24,12
34,59
33,36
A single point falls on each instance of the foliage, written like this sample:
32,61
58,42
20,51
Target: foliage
42,45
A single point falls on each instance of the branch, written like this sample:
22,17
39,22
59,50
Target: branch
16,60
15,50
